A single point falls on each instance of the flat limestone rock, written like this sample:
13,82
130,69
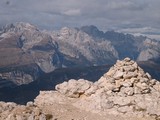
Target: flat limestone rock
74,88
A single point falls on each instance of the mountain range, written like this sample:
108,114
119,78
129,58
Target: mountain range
27,52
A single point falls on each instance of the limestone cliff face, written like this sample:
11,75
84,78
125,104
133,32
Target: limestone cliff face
79,46
19,75
28,45
151,50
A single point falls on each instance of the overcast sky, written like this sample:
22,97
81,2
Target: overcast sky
133,16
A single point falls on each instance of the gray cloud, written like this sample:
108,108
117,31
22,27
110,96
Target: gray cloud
105,14
72,12
125,5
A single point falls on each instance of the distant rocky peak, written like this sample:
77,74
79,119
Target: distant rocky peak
92,30
65,31
8,27
19,27
65,28
150,42
22,25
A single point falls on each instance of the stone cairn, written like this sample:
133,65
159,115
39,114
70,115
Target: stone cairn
124,89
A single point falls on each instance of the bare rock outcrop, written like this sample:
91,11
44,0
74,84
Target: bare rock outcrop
12,111
124,89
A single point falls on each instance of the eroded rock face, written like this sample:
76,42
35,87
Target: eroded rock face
124,89
76,45
17,78
28,45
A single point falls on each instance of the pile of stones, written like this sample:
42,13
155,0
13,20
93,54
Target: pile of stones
124,89
126,78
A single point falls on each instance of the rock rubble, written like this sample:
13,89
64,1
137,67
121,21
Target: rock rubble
12,111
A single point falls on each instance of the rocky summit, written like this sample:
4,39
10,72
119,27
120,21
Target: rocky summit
124,92
125,89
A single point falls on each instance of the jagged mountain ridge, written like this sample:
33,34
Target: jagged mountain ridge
78,45
24,44
139,48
